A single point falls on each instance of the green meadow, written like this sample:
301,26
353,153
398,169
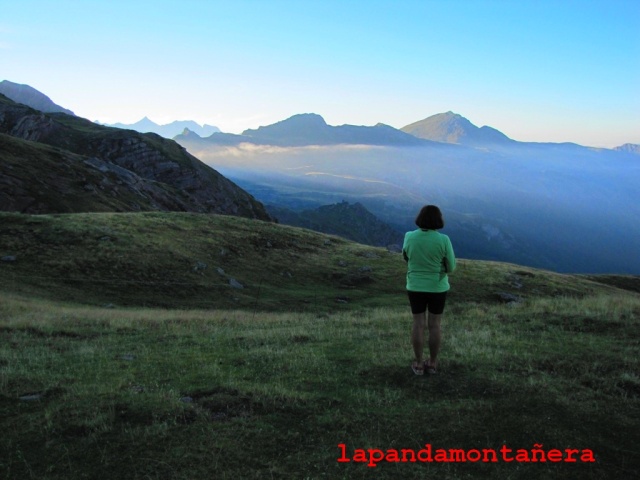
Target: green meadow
128,352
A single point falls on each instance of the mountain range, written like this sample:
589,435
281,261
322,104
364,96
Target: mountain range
301,129
558,206
308,129
168,130
528,203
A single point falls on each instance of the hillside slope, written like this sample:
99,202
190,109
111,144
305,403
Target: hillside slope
190,260
182,182
350,221
91,389
38,178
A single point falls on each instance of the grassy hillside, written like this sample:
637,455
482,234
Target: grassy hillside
184,260
266,381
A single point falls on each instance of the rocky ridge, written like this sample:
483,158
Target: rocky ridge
140,171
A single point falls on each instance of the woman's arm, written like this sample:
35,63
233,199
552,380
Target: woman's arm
450,258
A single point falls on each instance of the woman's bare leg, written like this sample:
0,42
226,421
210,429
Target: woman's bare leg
434,338
417,335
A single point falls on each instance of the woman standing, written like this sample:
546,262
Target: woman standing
429,256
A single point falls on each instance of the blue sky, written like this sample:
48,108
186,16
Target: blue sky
536,70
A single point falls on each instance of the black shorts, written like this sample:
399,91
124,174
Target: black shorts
421,300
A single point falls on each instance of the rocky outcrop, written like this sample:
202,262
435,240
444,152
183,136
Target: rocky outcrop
147,171
36,178
33,127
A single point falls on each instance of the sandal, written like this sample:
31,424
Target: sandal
431,369
417,369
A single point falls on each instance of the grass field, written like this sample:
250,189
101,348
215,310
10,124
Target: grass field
94,384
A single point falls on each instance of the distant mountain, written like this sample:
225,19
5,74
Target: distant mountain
188,138
350,221
168,130
58,163
629,148
311,129
450,127
31,97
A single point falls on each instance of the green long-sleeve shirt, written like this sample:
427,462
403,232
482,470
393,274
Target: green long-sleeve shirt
430,257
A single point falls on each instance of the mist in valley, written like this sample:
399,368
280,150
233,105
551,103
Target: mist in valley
562,207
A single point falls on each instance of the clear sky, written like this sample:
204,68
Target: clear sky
543,70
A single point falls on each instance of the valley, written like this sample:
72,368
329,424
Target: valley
561,207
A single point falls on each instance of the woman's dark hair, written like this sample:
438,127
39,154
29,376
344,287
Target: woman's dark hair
430,218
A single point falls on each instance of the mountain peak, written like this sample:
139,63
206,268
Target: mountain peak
629,148
308,117
450,127
31,97
145,123
301,120
296,128
189,133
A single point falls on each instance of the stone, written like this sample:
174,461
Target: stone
31,397
9,258
509,297
199,266
235,284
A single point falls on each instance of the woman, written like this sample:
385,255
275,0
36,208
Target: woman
429,256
